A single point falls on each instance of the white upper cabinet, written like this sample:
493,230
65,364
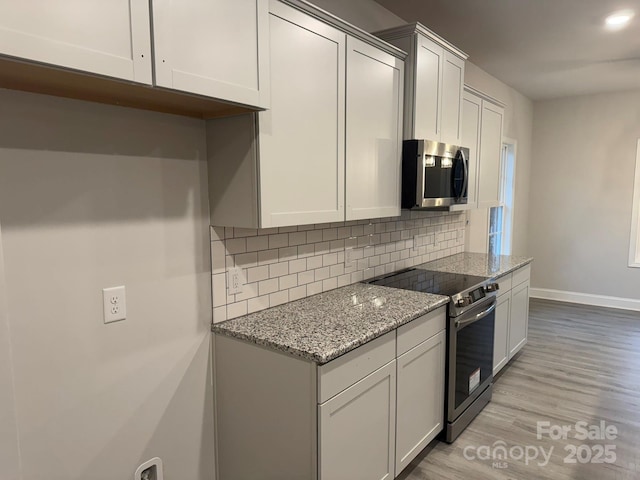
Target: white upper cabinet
109,38
489,172
374,131
471,116
301,137
434,79
452,85
285,166
482,120
428,82
215,48
290,165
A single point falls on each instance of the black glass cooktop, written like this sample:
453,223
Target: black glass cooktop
428,281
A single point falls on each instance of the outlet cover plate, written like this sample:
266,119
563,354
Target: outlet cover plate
114,302
235,281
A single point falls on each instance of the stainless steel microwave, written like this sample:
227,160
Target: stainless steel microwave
434,174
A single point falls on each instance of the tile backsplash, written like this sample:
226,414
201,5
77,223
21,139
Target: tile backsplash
279,265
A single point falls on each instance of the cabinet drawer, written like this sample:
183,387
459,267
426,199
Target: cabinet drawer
505,283
521,275
344,371
421,329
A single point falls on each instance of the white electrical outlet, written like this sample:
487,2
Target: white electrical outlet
150,470
349,261
114,302
235,281
416,243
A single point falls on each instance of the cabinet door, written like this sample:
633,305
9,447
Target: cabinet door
501,333
490,148
428,95
519,318
452,85
420,401
109,38
374,131
357,429
216,48
302,136
471,113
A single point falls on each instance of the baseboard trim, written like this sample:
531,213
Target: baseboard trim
586,299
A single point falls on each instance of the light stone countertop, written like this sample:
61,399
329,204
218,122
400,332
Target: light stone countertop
479,264
322,327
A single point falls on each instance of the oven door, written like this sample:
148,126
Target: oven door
470,356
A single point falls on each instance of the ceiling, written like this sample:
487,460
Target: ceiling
542,48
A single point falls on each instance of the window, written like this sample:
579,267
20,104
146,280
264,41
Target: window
496,231
501,218
634,244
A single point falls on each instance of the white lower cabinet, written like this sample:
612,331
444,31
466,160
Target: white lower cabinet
519,317
501,335
420,398
362,416
357,429
512,317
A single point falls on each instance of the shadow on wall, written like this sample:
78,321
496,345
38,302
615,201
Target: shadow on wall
188,381
98,160
93,196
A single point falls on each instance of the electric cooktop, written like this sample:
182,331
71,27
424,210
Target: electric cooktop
429,281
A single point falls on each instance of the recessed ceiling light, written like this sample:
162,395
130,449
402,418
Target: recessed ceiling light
618,19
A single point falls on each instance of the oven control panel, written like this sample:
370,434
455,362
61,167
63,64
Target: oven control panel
475,295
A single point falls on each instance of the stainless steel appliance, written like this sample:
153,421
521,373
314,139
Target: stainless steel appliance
470,329
434,175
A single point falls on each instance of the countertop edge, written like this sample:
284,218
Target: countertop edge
346,348
524,263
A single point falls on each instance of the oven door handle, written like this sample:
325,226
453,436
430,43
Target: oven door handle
479,316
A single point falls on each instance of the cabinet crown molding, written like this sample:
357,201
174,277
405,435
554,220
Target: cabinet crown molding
484,96
345,27
414,28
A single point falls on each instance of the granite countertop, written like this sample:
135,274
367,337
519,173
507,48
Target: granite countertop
479,264
324,326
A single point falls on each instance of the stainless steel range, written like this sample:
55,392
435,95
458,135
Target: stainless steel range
470,328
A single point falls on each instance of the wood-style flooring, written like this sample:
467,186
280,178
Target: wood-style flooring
581,363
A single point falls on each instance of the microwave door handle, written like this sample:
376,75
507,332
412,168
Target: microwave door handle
459,193
465,164
420,180
456,193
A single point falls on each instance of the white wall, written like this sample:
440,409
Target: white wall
9,446
93,196
518,125
581,193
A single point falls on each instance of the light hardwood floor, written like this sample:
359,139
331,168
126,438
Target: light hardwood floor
581,364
